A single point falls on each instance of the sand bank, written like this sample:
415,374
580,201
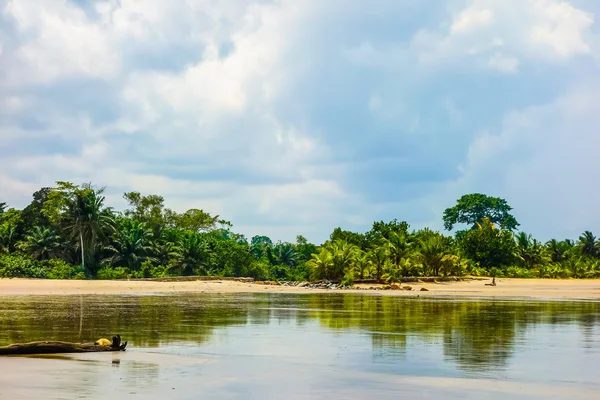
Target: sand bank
505,288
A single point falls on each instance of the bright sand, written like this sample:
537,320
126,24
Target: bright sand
505,288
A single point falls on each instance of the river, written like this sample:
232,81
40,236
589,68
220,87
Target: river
284,346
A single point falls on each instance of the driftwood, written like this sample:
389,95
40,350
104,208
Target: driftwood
47,347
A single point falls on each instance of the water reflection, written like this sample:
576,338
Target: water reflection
473,335
341,345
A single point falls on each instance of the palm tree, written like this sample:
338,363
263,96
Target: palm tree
529,251
399,247
433,254
42,243
344,254
3,207
362,264
193,254
379,260
87,219
587,244
131,245
8,237
559,251
166,249
283,254
321,263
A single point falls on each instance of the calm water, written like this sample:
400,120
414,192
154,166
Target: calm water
272,346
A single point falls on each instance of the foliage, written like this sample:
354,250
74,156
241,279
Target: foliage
472,209
42,243
67,230
489,246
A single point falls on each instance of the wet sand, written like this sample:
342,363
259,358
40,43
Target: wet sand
505,288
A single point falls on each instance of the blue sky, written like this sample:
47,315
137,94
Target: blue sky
293,117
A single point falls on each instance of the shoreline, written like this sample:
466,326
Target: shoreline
507,288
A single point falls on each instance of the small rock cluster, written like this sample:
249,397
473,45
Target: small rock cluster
325,284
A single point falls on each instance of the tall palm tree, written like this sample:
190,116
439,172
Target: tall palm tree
166,248
88,219
321,263
362,264
399,247
42,243
194,254
432,254
344,254
379,260
8,237
587,244
3,207
283,254
130,244
558,250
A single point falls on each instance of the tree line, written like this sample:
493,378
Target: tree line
68,232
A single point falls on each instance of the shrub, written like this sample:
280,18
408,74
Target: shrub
59,269
516,272
109,273
20,266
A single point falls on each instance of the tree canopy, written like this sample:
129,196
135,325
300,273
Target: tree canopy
473,209
67,231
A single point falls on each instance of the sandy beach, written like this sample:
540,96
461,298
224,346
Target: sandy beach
505,288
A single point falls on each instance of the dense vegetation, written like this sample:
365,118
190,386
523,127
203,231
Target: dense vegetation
68,232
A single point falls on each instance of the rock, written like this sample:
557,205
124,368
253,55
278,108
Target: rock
424,289
406,287
395,286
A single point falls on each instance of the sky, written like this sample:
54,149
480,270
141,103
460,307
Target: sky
292,117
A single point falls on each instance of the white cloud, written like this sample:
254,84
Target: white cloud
471,19
561,27
502,63
61,41
251,110
531,30
543,160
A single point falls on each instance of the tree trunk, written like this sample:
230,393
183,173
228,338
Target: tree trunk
47,347
82,250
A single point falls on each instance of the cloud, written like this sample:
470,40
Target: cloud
471,19
292,117
542,160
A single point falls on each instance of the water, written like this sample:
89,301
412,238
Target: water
274,346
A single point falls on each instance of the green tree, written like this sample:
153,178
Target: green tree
379,259
399,247
259,246
10,234
559,251
283,254
587,244
354,238
131,245
530,252
194,254
381,231
362,264
344,254
304,249
489,246
32,214
3,208
473,208
42,243
433,254
195,220
79,212
321,263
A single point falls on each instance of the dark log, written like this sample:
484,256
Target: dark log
55,347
